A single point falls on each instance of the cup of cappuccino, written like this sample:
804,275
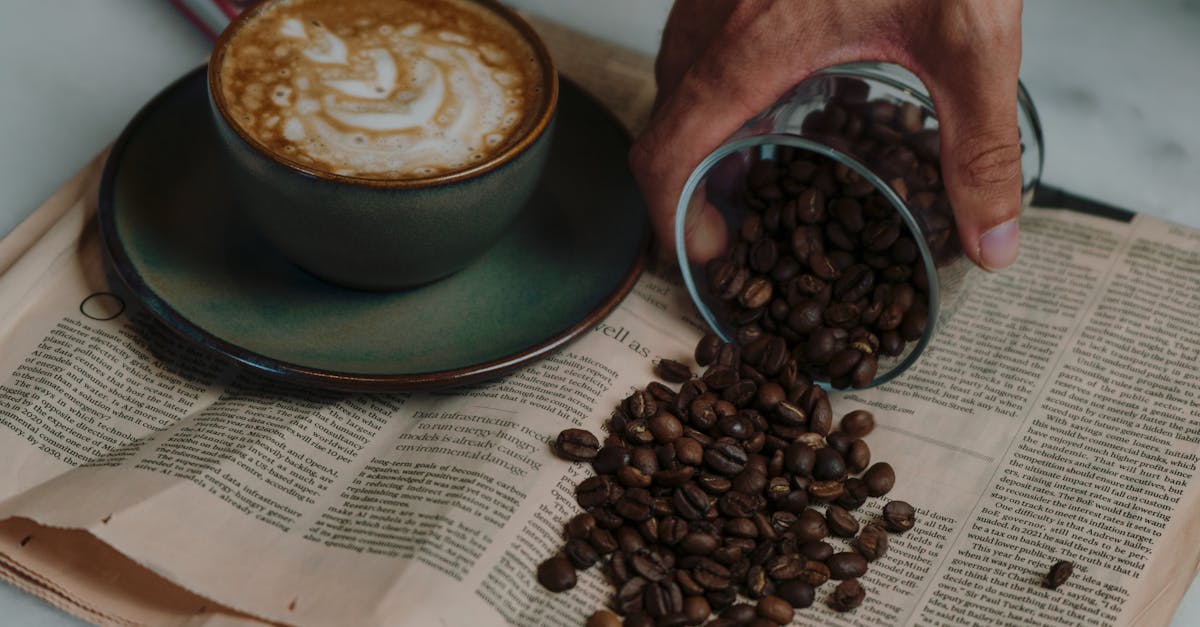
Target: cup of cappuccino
382,144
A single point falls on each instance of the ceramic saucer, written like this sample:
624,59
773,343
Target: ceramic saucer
169,227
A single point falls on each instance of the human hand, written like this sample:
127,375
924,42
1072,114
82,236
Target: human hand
723,61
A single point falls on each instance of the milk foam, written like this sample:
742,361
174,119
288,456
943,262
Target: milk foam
384,89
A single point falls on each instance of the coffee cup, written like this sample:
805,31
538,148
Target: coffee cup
382,144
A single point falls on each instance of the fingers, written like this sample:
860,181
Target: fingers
691,27
753,61
974,87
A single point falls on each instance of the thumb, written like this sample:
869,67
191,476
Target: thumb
981,166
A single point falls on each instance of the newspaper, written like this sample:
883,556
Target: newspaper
145,481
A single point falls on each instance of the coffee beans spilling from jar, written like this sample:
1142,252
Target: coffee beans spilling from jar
727,496
822,264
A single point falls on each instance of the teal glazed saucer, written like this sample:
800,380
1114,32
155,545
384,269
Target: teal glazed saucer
169,227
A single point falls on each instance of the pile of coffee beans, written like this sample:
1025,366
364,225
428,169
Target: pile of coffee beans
822,262
724,496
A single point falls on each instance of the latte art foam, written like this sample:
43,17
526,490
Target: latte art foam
381,88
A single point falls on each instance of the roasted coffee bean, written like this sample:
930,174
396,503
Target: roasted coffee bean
610,458
726,458
856,283
698,543
603,541
750,481
756,583
872,542
664,395
606,518
739,426
707,349
630,597
788,414
581,554
672,530
556,574
828,465
592,492
630,540
799,459
775,609
713,483
580,526
688,451
740,393
820,415
816,550
738,504
810,526
637,432
847,595
1059,573
858,423
674,477
839,442
673,371
757,292
652,565
785,566
739,613
879,479
644,459
864,372
858,457
720,377
899,516
690,501
665,427
635,505
603,618
799,594
843,362
846,565
710,574
814,573
632,477
641,404
825,491
696,609
854,493
577,445
841,523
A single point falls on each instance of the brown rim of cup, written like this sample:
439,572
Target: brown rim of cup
544,117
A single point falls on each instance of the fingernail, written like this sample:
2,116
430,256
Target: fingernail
998,247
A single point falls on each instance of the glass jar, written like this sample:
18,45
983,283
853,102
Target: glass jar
866,137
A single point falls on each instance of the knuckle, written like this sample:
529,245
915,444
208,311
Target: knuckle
990,159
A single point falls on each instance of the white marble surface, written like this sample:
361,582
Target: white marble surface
1117,84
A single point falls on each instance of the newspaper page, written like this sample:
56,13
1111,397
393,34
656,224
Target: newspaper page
1055,418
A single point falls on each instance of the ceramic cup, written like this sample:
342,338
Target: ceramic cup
383,233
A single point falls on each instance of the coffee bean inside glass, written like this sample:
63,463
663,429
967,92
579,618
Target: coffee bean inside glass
843,251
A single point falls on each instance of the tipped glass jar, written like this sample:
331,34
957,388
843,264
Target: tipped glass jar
843,255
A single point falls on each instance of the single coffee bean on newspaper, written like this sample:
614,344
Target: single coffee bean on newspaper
1059,573
847,595
556,574
872,542
577,445
899,516
879,479
858,423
